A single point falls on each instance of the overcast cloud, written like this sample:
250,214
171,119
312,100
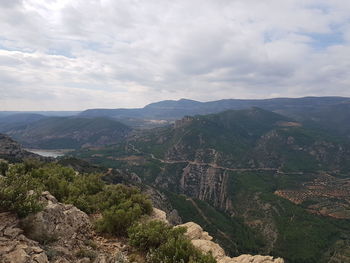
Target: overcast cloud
78,54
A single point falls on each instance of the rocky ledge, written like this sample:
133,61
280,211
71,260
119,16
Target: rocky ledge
203,241
63,234
59,233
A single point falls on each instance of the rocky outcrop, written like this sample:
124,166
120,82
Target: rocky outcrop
63,234
195,231
203,241
206,183
159,215
14,246
64,223
183,122
13,151
251,259
59,233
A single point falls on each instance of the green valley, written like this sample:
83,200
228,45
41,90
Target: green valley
227,171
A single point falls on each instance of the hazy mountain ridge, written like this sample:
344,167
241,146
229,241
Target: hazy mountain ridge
69,132
177,109
18,121
314,110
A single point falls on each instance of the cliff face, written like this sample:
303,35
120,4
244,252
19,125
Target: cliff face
207,184
216,186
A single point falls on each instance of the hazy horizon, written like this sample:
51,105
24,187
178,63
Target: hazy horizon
69,110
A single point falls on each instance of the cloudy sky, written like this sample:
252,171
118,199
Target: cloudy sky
78,54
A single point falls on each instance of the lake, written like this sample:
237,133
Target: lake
48,153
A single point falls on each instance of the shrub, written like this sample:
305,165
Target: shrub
165,244
117,220
17,194
149,235
90,243
178,250
55,179
31,164
4,166
120,205
84,253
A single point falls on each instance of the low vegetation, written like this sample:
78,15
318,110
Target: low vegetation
120,205
165,244
121,208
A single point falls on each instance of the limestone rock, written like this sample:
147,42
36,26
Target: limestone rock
202,240
64,223
209,246
251,259
15,247
158,214
195,231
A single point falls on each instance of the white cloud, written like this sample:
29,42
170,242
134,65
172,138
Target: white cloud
57,54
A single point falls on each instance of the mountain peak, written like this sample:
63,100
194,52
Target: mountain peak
171,104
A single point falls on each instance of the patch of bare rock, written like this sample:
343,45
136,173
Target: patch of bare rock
14,246
203,241
59,233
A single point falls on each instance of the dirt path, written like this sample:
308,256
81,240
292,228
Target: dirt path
213,165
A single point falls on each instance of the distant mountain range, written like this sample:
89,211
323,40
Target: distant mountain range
171,109
65,132
41,129
329,113
44,113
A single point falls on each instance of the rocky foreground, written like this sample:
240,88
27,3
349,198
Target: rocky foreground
62,234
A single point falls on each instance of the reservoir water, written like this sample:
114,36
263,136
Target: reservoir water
47,153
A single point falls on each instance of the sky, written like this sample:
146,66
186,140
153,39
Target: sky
80,54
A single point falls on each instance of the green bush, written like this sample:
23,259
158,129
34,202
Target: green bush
120,205
178,250
4,166
149,235
19,192
165,244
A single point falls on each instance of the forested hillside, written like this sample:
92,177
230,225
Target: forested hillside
258,181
